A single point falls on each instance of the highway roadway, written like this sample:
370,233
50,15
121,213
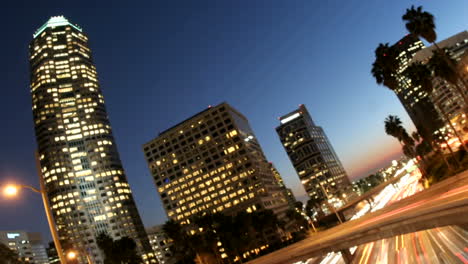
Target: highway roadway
443,204
439,245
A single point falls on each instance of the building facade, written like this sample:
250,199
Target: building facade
287,193
27,245
319,168
446,97
52,254
212,162
416,102
81,168
161,244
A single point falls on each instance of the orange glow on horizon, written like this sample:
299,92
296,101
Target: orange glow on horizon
373,160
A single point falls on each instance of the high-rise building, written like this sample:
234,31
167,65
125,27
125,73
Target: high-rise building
212,162
416,102
52,254
277,175
28,246
319,169
446,97
161,244
84,178
287,193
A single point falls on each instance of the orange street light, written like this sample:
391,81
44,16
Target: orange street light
71,255
10,190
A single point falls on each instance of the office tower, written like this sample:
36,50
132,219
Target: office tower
52,254
447,99
290,198
277,175
28,245
287,193
84,178
161,244
416,102
212,162
312,155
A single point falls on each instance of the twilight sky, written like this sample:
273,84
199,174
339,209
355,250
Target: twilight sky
159,62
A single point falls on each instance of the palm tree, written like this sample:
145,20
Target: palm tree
393,127
385,66
421,24
408,151
420,75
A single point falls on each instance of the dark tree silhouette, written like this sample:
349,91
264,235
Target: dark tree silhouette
119,251
385,66
420,75
182,248
393,127
8,256
421,24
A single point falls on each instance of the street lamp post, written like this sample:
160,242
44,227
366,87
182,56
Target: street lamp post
11,190
329,205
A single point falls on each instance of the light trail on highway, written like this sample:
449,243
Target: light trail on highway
447,244
439,245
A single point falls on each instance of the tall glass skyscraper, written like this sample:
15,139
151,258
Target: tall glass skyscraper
319,169
84,178
416,102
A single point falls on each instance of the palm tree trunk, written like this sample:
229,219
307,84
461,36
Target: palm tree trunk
422,167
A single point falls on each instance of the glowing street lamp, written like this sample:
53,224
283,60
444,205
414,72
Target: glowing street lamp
10,190
73,254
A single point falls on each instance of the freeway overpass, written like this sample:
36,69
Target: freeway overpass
445,203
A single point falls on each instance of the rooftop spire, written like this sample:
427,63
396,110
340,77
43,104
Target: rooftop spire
55,21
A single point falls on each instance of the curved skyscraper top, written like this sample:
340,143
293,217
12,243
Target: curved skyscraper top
84,178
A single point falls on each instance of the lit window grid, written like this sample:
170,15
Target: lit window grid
319,161
217,189
68,107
